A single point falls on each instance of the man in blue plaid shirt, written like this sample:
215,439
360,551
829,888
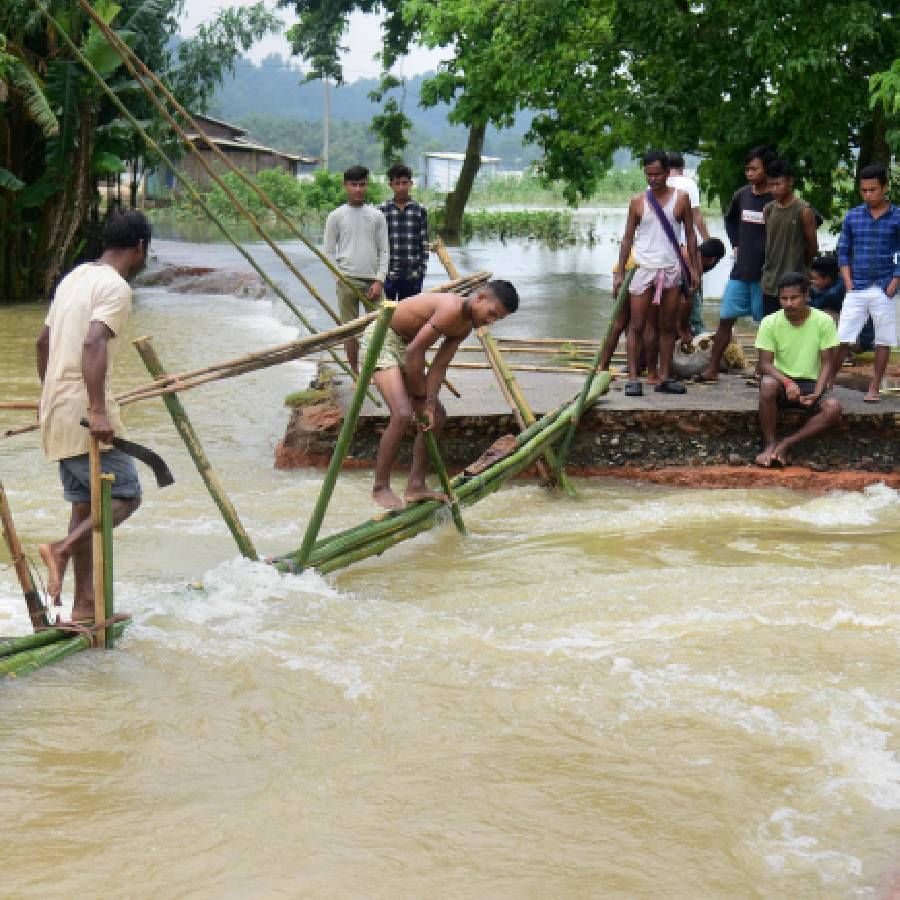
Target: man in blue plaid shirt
869,257
407,223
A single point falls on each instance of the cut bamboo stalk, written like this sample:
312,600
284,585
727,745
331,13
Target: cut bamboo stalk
12,645
186,431
185,181
444,478
440,248
24,663
37,612
348,426
581,403
97,540
22,405
106,527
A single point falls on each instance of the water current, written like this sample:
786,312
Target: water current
642,692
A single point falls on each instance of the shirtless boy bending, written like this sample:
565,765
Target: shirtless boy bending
410,392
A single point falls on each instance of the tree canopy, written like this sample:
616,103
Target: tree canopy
711,78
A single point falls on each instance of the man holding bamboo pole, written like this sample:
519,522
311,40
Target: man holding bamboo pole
75,351
410,392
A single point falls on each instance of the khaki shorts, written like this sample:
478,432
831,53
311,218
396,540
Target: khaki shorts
393,350
348,302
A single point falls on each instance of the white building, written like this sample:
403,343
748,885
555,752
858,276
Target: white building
440,171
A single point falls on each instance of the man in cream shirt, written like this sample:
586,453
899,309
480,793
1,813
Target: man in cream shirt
75,351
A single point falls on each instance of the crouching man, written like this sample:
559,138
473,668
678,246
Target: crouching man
796,357
411,391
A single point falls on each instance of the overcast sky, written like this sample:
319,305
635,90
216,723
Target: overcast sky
363,41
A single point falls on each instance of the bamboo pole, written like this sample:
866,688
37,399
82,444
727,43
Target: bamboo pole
185,182
581,403
185,429
106,527
97,541
23,663
346,433
21,405
440,249
37,612
126,54
444,478
520,407
12,645
373,536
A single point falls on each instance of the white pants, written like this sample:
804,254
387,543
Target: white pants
858,306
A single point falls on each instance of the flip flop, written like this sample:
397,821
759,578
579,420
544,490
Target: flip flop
670,386
633,389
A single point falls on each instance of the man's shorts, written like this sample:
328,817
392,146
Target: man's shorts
75,475
807,386
742,298
393,350
644,279
858,306
348,302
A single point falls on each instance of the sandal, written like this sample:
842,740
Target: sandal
670,386
633,389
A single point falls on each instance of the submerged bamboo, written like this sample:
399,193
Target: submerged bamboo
144,347
23,663
37,612
444,478
348,426
12,645
581,403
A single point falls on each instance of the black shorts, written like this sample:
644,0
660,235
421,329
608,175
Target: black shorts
807,386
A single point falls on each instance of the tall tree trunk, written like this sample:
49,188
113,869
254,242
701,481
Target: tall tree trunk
873,145
459,196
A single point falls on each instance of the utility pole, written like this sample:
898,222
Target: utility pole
326,125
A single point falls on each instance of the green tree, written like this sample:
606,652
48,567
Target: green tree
59,135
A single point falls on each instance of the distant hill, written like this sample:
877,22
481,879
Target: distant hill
279,108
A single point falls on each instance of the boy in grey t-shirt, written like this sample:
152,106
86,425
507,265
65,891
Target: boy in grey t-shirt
356,240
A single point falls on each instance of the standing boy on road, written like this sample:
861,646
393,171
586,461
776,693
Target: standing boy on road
746,230
407,224
356,240
795,362
412,394
657,285
869,257
791,240
75,351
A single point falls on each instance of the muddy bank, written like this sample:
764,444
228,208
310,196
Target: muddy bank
205,280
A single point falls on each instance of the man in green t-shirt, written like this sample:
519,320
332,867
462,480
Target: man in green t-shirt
796,357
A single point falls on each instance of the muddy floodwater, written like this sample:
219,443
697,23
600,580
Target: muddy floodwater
643,692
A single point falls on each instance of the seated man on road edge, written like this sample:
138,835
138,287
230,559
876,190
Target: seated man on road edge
75,352
795,363
412,394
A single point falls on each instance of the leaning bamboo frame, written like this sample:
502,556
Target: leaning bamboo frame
373,537
37,612
348,426
187,184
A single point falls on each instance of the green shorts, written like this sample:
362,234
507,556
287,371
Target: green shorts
393,350
348,302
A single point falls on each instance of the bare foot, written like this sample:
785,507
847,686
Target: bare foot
872,396
385,497
83,615
419,494
56,569
707,375
652,378
765,458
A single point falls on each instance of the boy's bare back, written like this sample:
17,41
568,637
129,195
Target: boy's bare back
443,311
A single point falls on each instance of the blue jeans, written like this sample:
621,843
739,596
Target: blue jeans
401,288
